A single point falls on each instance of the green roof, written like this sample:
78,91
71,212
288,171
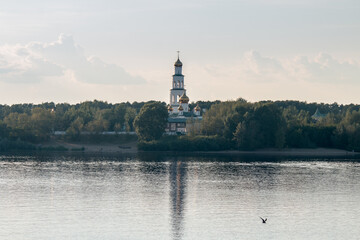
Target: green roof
185,114
176,120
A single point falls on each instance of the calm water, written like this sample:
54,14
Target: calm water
177,197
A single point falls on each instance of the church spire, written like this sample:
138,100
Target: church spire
178,63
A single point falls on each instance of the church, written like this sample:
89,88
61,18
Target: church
181,118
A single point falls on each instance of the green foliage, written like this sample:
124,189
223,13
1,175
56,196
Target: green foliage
348,131
310,136
41,123
283,124
246,125
204,105
222,118
226,125
129,118
74,131
150,123
33,127
4,131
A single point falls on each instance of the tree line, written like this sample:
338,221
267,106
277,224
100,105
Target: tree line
268,124
226,124
36,123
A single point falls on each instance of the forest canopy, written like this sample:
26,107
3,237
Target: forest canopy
230,124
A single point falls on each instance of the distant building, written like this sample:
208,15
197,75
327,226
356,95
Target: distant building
317,115
181,117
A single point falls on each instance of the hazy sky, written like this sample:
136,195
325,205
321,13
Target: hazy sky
73,51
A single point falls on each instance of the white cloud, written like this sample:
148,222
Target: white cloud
257,68
253,67
325,68
37,61
256,77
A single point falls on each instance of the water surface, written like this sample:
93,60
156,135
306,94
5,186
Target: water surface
156,196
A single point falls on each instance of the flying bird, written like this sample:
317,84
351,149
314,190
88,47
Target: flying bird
263,220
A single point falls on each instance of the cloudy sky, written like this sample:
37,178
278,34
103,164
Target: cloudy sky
73,51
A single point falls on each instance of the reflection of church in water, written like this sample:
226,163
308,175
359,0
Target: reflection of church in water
177,197
181,117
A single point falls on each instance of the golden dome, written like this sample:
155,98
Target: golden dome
181,108
170,108
197,108
178,63
184,98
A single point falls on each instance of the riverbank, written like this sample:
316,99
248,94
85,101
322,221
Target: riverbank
296,152
131,147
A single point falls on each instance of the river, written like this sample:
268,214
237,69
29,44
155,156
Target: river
169,196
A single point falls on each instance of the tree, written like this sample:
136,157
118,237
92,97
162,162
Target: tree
97,125
118,118
129,117
272,125
150,123
42,123
75,128
3,130
264,127
215,120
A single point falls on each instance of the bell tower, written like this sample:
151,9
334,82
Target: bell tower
177,89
